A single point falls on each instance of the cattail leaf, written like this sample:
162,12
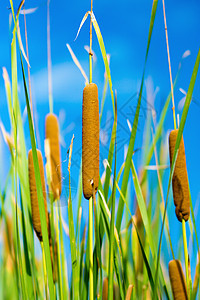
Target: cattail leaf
134,127
77,63
28,11
106,216
75,272
39,193
112,224
21,45
8,95
129,292
82,22
103,52
29,274
18,132
178,140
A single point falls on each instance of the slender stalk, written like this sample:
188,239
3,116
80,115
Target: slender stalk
49,60
91,248
29,74
186,256
111,240
62,255
59,250
169,63
90,52
44,270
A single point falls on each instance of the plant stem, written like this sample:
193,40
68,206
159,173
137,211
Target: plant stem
49,60
91,248
59,250
169,63
44,269
186,255
90,51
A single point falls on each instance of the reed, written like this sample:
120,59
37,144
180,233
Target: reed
180,179
177,280
90,140
52,134
33,194
54,260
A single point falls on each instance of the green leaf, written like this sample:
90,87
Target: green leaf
178,140
134,127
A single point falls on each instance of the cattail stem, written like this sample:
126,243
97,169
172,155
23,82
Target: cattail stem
62,254
169,63
186,256
44,270
59,262
91,248
90,51
49,60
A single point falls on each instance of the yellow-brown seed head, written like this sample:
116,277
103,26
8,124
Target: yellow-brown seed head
33,193
52,134
90,140
180,179
177,280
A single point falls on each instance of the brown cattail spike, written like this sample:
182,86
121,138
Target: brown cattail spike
52,134
180,179
177,280
90,140
33,193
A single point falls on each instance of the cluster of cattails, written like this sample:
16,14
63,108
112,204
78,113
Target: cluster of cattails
177,280
52,134
180,179
90,140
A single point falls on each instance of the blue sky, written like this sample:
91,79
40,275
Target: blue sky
124,26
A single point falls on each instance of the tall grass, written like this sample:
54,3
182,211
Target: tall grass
119,253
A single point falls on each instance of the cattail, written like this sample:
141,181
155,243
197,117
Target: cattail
177,280
52,134
180,179
33,194
90,140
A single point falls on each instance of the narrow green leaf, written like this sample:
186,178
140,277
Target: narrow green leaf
134,127
75,272
39,193
178,140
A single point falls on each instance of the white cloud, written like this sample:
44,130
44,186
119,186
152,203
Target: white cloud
67,83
